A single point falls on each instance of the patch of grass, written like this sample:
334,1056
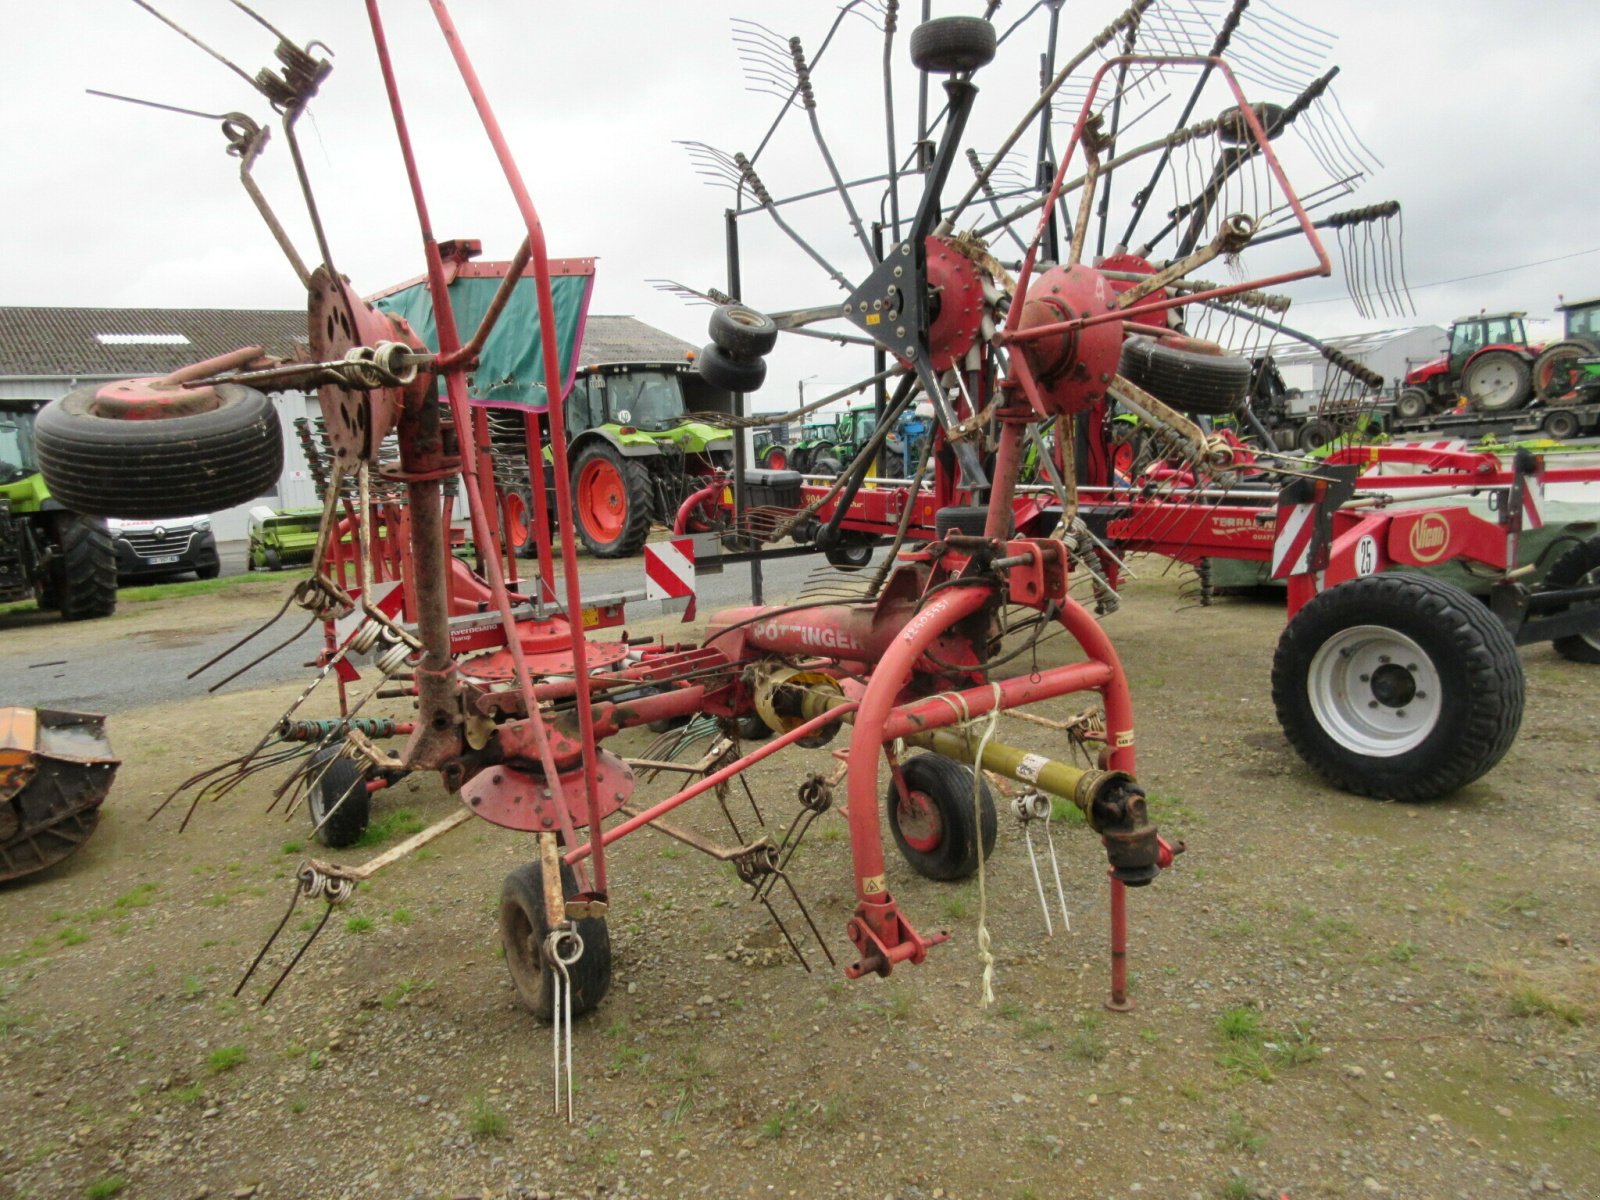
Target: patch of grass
400,823
314,1060
779,1123
484,1120
1238,1134
401,916
359,924
1086,1045
226,1058
194,587
1402,952
395,995
105,1187
1238,1187
140,897
1240,1025
669,852
293,847
189,1094
1250,1049
72,936
192,986
1530,1001
956,908
1066,812
298,1105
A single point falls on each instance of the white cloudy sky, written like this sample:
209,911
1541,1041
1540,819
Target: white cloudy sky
1483,123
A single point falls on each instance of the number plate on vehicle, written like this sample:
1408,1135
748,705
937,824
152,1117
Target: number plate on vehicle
163,558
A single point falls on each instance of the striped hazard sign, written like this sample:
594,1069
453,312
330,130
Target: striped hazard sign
1291,549
669,572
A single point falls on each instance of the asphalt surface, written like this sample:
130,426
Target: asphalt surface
152,665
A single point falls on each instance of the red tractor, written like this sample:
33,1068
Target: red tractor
1490,362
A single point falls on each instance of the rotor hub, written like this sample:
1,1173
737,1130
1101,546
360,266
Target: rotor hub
1074,365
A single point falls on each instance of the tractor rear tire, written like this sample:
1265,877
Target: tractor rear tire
611,495
1550,368
523,930
949,45
1202,384
934,824
161,466
1497,381
1579,565
88,569
1410,404
1398,686
826,464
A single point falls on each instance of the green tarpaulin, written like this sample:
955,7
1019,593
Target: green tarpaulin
510,370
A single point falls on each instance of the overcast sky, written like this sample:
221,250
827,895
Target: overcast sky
1483,124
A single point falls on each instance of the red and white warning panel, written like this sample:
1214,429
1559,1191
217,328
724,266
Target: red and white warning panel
669,573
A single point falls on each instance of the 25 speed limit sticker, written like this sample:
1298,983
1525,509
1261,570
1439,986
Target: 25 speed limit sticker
1367,555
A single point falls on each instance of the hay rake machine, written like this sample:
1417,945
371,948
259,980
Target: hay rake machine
514,699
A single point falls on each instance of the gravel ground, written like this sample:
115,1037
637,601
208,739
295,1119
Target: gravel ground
1336,997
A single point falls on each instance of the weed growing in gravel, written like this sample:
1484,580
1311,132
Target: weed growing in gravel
484,1120
1250,1049
1066,812
401,916
1402,952
226,1058
105,1187
1086,1045
956,908
1238,1187
401,823
140,897
779,1123
1529,1001
192,987
292,847
1239,1134
190,1094
298,1105
358,924
72,936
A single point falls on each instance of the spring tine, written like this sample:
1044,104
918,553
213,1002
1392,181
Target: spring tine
211,662
261,658
299,954
783,929
804,912
293,901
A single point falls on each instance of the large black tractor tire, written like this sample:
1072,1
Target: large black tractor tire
950,44
825,463
1497,381
1398,686
743,332
342,792
721,370
86,585
612,499
1411,403
1579,565
1550,369
1204,384
523,930
159,467
934,824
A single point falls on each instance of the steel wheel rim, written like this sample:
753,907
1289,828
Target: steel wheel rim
777,461
920,824
1374,691
516,514
1499,384
604,503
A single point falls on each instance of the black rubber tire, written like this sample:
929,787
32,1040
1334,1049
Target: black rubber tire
961,518
273,559
1561,424
1313,434
947,45
742,331
88,579
849,556
1514,398
751,728
210,572
1554,358
1480,698
1580,564
523,929
1206,384
949,848
730,374
825,464
637,498
1410,404
1234,130
343,778
165,467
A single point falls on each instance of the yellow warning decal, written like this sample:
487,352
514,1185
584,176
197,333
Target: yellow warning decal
1125,738
875,885
874,318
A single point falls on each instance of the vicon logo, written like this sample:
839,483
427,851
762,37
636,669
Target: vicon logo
1430,538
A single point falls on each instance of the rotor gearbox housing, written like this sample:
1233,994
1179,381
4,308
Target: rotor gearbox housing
1073,365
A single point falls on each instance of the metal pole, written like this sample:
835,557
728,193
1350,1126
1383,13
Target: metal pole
740,458
880,363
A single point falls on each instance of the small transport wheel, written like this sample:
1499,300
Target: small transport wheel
934,823
612,498
1561,424
951,44
1579,565
751,728
523,930
849,556
342,785
1398,686
88,568
1411,403
1497,380
159,466
743,332
718,368
1206,384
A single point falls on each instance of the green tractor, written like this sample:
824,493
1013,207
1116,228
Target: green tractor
634,453
64,561
816,453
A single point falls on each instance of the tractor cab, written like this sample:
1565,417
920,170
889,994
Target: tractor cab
1468,335
17,462
649,397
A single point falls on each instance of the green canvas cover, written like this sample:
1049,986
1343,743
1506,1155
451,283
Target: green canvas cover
510,370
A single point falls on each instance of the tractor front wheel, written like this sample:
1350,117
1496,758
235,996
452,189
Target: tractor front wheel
1579,566
1411,404
1398,686
612,498
87,579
